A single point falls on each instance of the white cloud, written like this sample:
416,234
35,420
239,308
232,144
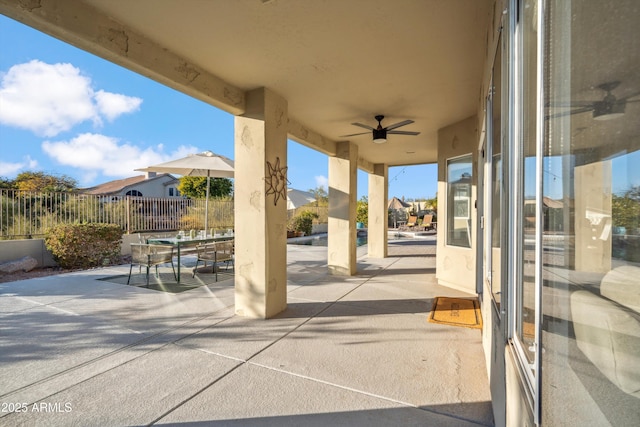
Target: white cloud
322,181
51,98
112,105
95,153
10,170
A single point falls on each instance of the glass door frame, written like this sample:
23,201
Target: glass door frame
530,372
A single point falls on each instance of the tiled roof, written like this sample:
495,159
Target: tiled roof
113,187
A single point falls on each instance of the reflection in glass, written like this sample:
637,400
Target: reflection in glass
459,175
591,241
497,191
525,291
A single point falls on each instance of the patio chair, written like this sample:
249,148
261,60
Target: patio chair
411,222
215,252
148,255
426,222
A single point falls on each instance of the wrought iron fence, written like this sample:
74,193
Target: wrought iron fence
26,214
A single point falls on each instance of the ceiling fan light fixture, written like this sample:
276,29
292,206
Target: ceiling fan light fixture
605,110
379,136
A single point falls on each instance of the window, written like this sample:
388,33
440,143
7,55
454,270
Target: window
496,192
590,214
524,292
459,177
171,189
134,193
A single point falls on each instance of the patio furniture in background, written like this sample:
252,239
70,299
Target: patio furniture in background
149,255
215,252
411,223
426,222
181,244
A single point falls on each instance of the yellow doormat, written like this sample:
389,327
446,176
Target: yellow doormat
463,312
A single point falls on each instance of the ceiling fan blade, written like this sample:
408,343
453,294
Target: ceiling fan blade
402,132
569,113
354,134
397,125
633,95
568,104
363,126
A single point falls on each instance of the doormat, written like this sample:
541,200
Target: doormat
463,312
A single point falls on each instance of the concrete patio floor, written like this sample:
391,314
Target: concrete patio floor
75,350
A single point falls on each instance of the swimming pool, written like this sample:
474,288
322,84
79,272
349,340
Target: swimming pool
322,241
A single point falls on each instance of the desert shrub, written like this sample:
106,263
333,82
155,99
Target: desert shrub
303,222
221,214
84,245
362,210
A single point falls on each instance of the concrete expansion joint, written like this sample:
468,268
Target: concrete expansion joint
317,380
106,356
363,392
243,362
48,305
202,390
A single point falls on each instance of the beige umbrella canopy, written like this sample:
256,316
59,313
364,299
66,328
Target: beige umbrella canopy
206,164
398,204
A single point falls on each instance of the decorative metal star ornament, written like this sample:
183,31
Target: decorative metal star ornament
276,181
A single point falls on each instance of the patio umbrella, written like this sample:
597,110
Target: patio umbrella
297,198
202,164
397,204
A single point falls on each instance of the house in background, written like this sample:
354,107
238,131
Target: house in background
149,185
515,100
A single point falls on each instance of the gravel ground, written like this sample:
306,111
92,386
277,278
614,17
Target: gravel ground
36,272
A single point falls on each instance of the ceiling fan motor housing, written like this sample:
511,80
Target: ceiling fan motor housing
607,109
379,135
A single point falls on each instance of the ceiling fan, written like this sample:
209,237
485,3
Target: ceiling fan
607,108
380,133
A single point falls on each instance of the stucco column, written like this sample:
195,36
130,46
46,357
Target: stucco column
261,206
593,217
378,216
342,210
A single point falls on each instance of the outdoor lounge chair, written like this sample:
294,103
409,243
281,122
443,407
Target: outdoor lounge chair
215,252
411,222
147,255
427,222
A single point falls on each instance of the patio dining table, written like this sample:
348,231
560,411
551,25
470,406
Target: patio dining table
188,242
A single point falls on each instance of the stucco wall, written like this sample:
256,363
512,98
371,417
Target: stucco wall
456,266
11,250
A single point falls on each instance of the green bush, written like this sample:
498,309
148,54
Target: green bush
303,222
84,245
362,211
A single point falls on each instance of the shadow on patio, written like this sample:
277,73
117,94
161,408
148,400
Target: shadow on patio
348,350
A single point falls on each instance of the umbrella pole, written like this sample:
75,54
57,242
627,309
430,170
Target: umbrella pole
206,206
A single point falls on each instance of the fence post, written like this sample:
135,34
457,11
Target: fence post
128,199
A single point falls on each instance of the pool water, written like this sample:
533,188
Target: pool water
322,241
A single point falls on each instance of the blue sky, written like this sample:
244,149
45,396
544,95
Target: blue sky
65,111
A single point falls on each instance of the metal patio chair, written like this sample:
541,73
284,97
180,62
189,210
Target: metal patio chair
149,255
215,252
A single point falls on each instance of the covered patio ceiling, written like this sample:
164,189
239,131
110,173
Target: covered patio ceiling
335,61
